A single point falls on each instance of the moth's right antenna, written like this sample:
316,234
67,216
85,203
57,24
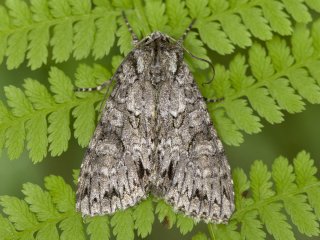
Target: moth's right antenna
184,35
135,39
180,43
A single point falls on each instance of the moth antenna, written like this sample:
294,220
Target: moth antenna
106,84
98,88
198,58
105,96
180,43
135,39
184,35
204,60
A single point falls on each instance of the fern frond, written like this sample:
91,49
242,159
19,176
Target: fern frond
81,29
42,118
268,199
266,204
280,80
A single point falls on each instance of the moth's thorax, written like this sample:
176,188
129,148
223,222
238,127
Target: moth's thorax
157,57
156,36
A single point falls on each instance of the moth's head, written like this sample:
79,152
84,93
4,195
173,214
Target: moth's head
156,36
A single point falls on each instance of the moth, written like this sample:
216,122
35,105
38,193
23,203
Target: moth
155,137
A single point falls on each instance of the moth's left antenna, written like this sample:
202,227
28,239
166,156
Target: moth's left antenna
135,39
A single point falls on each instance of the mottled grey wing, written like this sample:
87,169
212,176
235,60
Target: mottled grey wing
193,171
115,169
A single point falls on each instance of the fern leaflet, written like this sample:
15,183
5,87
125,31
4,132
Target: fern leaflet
259,202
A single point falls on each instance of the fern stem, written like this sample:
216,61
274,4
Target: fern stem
263,202
211,228
41,225
264,82
55,21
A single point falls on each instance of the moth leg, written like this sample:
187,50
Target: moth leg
135,39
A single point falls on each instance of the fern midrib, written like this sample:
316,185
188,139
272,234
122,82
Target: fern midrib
54,21
15,120
264,82
41,225
267,201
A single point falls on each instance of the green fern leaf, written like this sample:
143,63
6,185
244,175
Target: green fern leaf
40,202
38,94
299,211
38,46
276,222
198,9
62,38
261,66
298,10
123,225
216,39
285,96
4,26
125,39
256,23
241,114
84,37
85,123
61,86
260,181
305,85
7,230
48,232
227,130
18,212
251,227
302,48
155,15
165,214
296,194
314,4
17,100
105,36
227,232
59,132
177,17
305,171
144,217
278,19
241,186
98,228
61,193
281,79
235,30
72,228
82,28
184,223
15,136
